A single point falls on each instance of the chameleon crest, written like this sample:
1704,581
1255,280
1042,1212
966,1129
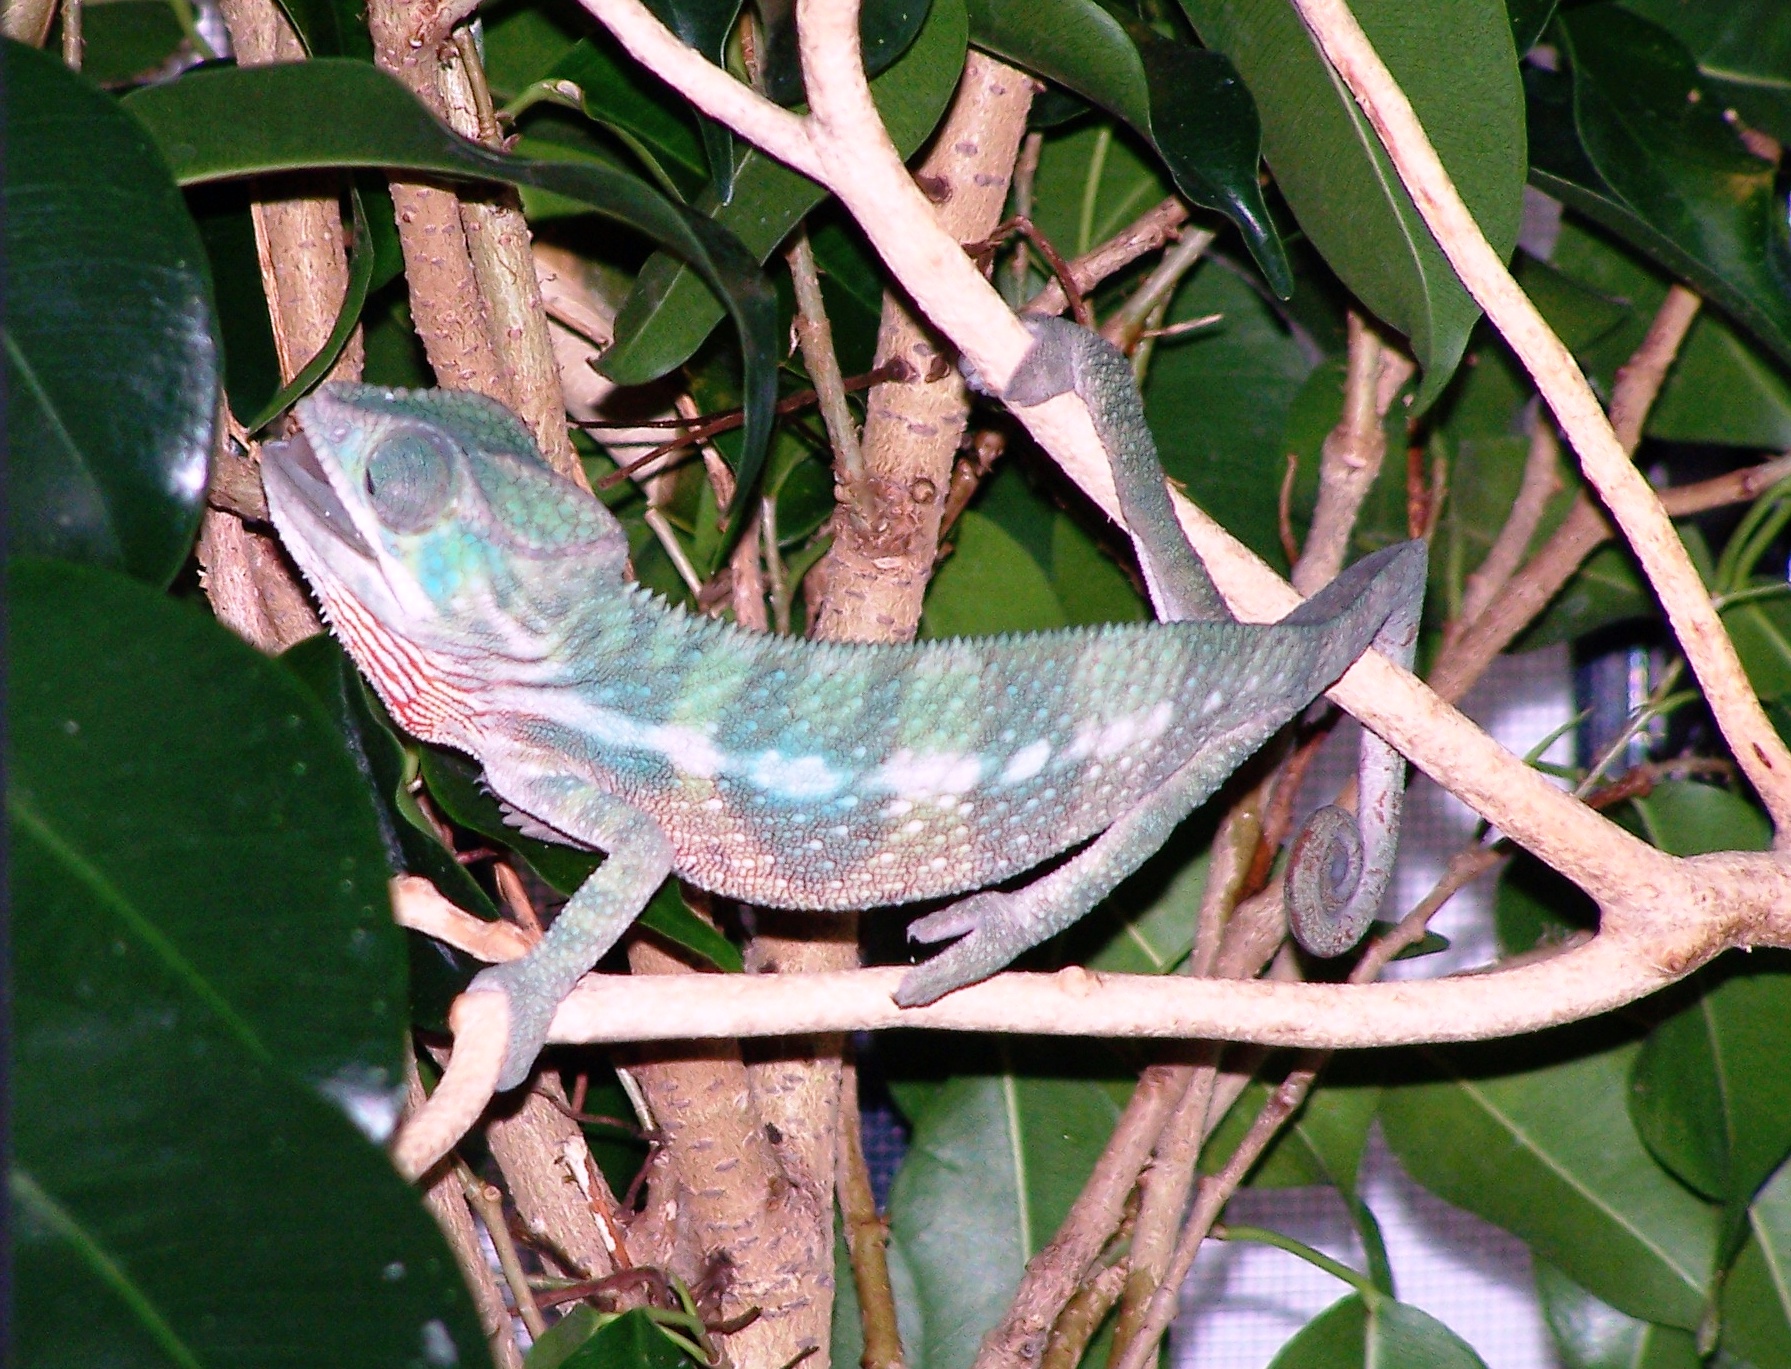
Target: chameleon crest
487,599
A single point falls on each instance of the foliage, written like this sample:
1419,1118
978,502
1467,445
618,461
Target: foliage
211,1003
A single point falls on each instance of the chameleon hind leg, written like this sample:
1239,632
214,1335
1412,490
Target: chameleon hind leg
1341,862
593,920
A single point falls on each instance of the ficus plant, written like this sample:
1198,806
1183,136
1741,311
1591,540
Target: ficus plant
1386,269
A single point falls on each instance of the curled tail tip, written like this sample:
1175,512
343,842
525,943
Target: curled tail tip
1329,907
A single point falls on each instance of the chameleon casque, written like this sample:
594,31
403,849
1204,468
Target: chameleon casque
488,600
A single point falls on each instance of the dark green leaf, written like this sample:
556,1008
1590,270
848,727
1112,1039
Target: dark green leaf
671,311
1756,1297
989,584
199,801
1743,49
200,923
1457,65
994,1164
617,94
1589,1334
1322,1147
1188,101
886,29
1544,1147
127,40
706,25
1535,906
1761,631
631,1341
1635,142
1351,1334
1711,1092
331,28
225,123
1220,403
112,370
1528,19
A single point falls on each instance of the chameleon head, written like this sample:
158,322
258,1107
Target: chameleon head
433,532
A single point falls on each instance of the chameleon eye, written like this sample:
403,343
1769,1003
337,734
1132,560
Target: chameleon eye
410,478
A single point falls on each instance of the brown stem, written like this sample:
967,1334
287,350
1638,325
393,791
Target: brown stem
488,1203
867,1237
1541,482
1145,234
1082,1317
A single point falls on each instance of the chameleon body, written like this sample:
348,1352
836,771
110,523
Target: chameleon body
487,599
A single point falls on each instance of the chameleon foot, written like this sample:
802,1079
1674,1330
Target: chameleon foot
995,928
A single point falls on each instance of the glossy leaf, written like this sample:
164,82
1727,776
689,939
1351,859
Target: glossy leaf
631,1341
182,787
1761,631
1323,1146
1220,402
127,40
1756,1295
1743,51
112,370
203,945
225,123
1457,65
1544,1147
706,25
1188,101
1711,1092
615,93
1383,1334
1633,141
670,311
1528,19
994,1164
1589,1334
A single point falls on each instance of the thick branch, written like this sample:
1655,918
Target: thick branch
1757,747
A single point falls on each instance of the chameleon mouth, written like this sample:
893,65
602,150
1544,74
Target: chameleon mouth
296,482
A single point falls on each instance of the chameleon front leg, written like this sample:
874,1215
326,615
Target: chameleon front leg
1341,863
639,859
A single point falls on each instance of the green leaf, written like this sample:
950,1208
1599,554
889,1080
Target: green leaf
1743,50
1457,65
1589,1334
1634,141
1220,402
1381,1335
616,94
1528,19
670,311
631,1341
219,124
886,29
125,40
112,370
1542,1145
1711,1092
203,945
1323,1146
1188,101
197,801
995,1162
989,584
1761,631
1686,818
1756,1296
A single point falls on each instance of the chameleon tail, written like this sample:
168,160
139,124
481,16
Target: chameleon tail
1341,862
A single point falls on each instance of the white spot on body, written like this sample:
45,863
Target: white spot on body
1026,762
925,776
794,777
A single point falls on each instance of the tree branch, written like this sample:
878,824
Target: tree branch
1757,747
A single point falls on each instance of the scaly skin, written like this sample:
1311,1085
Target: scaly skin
487,600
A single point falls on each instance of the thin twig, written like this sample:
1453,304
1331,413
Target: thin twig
1541,482
867,1236
814,335
488,1203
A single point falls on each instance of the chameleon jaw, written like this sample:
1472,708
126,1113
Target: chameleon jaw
299,492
